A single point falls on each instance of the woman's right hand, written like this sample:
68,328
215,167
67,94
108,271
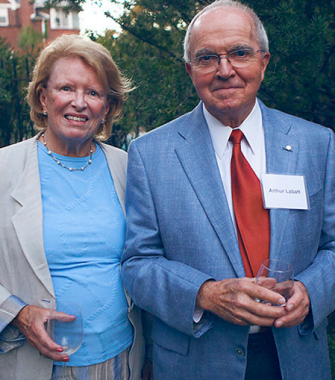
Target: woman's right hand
31,323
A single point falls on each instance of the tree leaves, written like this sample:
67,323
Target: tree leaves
300,78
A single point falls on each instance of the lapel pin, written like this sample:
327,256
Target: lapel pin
288,148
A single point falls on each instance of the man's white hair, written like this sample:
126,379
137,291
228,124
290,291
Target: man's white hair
261,35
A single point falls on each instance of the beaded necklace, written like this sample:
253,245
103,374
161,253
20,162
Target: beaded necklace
62,165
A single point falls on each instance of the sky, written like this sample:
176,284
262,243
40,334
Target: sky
93,18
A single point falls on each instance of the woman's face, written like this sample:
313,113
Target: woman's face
75,102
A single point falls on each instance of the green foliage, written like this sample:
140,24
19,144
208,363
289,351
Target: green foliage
301,75
331,346
68,6
331,342
15,123
149,52
162,90
300,78
4,92
30,41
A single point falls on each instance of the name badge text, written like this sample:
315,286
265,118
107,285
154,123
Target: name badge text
284,191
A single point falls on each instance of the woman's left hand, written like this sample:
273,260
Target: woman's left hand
31,323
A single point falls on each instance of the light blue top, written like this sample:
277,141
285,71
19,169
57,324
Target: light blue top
83,229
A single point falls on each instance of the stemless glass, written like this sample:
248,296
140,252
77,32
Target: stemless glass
68,334
277,276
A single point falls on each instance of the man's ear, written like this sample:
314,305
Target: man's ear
188,67
265,62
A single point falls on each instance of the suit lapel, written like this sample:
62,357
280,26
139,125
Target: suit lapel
28,220
117,172
197,157
281,158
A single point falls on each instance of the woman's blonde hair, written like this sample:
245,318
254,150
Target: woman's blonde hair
94,55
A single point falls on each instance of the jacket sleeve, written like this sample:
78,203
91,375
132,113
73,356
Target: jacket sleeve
10,336
319,277
165,288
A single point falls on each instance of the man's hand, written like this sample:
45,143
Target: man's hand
235,301
31,323
297,307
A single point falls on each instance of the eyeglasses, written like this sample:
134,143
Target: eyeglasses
237,58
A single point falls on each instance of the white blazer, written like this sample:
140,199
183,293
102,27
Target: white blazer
24,270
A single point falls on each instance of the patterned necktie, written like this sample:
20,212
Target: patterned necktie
252,220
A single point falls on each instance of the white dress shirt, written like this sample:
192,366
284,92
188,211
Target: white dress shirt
252,146
253,149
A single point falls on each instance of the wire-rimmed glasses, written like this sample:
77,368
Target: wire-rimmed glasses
237,58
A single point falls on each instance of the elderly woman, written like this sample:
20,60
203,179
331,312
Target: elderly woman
62,222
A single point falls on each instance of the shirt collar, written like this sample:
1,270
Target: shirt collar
252,128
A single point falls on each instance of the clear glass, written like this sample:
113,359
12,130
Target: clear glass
277,276
67,334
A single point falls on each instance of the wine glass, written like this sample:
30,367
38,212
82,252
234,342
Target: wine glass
277,276
66,331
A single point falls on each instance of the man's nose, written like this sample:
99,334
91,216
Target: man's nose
225,68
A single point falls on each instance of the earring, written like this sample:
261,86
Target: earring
45,113
103,121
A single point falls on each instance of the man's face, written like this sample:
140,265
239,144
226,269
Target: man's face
228,93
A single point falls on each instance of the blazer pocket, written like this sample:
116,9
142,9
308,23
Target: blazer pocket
318,333
169,338
321,330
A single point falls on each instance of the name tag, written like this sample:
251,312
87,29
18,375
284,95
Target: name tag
284,191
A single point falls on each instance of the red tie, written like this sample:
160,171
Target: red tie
252,220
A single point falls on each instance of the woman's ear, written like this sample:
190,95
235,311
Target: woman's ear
42,98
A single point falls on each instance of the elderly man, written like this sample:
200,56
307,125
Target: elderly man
198,231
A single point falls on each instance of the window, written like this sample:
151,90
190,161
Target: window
4,21
61,20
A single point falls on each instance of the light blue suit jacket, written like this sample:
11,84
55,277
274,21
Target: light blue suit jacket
180,234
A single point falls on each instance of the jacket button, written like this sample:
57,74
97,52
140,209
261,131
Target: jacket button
239,351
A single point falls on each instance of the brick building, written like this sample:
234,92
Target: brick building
16,15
